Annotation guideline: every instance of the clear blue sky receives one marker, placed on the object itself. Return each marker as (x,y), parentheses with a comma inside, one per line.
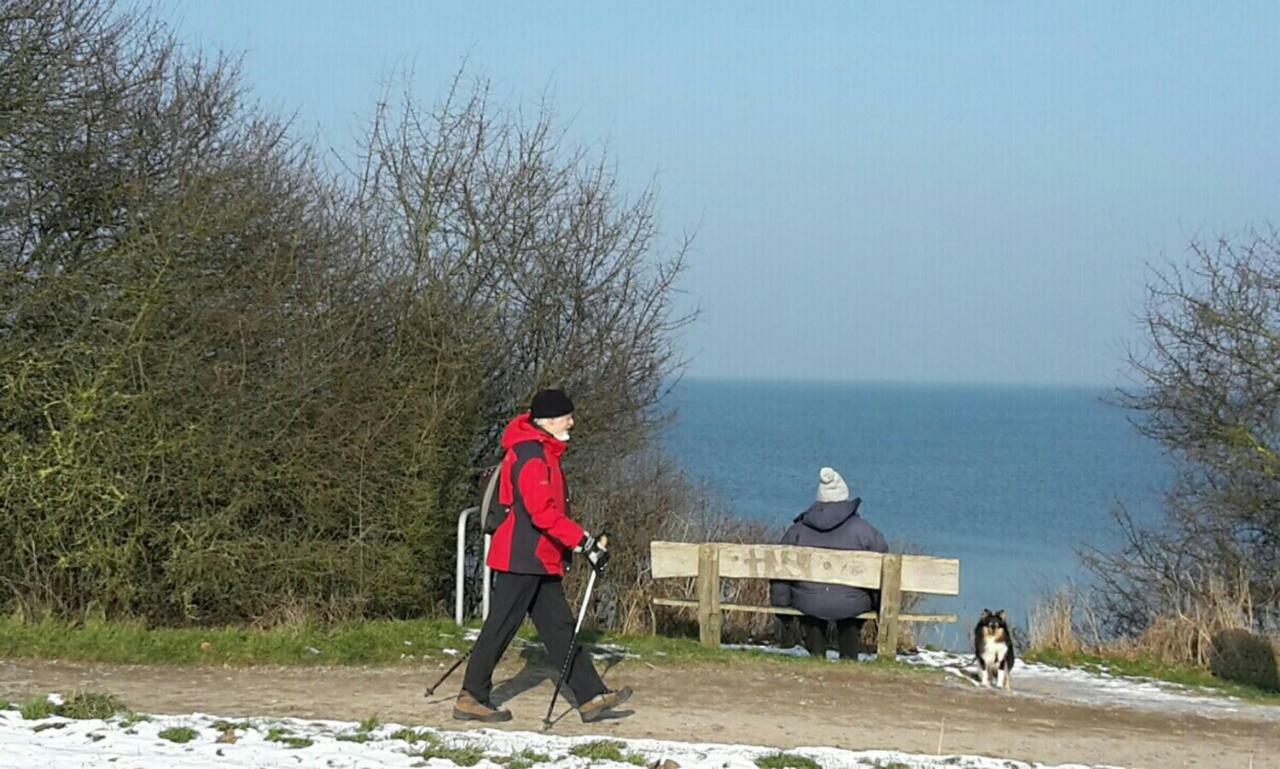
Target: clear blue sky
(905,192)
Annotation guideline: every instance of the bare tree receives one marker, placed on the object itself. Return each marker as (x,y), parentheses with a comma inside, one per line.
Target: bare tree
(534,240)
(1207,387)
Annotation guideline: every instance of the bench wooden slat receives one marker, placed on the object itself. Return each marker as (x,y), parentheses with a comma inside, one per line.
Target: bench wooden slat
(891,574)
(855,568)
(685,603)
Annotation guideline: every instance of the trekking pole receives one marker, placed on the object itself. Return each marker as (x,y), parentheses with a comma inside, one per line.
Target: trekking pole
(432,689)
(573,642)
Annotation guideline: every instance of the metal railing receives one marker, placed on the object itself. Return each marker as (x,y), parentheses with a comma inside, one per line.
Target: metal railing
(461,573)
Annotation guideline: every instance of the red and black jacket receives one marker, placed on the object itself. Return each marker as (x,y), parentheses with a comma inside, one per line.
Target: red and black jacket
(537,535)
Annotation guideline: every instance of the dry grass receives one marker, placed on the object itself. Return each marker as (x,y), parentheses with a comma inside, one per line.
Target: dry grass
(1067,622)
(1054,623)
(1209,635)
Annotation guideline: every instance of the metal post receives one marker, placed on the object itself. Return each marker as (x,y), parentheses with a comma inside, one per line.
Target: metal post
(460,573)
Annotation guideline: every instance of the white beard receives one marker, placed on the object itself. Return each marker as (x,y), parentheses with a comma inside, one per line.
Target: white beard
(564,437)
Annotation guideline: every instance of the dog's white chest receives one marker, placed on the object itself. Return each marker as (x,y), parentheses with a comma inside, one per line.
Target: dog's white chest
(994,651)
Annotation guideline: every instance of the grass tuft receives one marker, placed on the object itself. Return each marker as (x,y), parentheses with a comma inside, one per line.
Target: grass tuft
(787,761)
(361,737)
(524,759)
(178,734)
(83,705)
(369,724)
(78,706)
(465,756)
(36,709)
(606,750)
(409,735)
(285,737)
(600,750)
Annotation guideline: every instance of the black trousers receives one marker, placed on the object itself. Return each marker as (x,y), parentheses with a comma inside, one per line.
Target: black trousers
(848,636)
(542,598)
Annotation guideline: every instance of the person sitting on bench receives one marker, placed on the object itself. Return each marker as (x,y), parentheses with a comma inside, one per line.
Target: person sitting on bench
(832,522)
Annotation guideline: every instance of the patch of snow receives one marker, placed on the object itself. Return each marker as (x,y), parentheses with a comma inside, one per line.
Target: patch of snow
(612,651)
(96,743)
(1100,688)
(794,651)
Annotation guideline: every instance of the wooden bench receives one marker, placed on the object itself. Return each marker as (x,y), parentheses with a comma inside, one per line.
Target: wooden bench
(892,575)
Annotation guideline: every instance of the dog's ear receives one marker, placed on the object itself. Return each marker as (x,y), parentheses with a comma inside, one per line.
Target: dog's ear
(985,613)
(1001,616)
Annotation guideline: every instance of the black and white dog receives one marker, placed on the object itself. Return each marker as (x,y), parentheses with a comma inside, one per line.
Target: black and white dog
(993,646)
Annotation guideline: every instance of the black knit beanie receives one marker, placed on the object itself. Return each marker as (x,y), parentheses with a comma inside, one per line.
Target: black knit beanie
(549,404)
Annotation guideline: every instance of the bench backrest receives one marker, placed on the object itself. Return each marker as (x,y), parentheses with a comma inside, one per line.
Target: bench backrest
(856,568)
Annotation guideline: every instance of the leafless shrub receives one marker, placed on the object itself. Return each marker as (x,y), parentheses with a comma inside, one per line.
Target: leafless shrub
(1206,385)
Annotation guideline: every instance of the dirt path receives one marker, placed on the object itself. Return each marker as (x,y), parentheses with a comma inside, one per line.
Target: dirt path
(777,705)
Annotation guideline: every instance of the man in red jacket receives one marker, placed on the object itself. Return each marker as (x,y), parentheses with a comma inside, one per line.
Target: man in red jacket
(529,552)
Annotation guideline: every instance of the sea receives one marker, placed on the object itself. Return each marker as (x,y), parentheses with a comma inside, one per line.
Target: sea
(1014,481)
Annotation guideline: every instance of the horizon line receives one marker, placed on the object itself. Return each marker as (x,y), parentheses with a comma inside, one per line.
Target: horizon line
(783,379)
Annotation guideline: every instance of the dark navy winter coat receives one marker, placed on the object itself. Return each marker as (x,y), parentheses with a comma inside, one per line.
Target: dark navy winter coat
(834,525)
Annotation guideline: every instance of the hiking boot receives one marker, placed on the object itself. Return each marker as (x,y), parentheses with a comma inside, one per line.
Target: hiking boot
(595,708)
(468,708)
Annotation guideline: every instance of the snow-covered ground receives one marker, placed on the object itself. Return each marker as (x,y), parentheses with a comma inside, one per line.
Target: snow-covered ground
(1076,685)
(56,742)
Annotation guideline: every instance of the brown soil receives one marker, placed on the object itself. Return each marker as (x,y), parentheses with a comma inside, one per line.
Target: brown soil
(783,706)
